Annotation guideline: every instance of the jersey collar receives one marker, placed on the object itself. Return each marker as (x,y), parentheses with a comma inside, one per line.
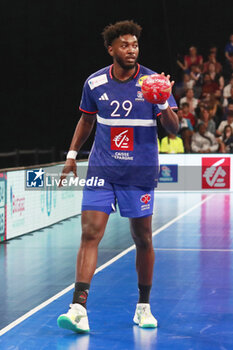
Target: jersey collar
(135,75)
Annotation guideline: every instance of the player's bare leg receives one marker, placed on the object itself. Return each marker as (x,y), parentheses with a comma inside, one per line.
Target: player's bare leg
(141,231)
(142,235)
(93,227)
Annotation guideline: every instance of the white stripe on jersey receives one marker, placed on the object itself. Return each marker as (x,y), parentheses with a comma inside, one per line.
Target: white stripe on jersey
(127,122)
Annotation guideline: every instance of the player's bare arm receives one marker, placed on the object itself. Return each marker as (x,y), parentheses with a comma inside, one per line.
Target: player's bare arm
(169,119)
(81,134)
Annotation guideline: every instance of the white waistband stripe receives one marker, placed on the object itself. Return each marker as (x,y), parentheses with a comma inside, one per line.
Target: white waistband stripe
(126,122)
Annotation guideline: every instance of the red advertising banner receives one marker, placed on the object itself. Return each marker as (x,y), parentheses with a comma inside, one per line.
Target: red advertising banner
(216,173)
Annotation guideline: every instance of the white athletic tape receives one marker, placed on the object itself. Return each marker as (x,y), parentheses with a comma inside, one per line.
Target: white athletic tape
(71,155)
(163,106)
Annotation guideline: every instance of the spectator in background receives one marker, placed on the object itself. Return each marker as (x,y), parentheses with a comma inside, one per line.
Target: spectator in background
(189,60)
(183,86)
(185,130)
(224,123)
(192,58)
(197,78)
(187,114)
(212,59)
(215,107)
(229,48)
(190,99)
(227,89)
(206,119)
(203,141)
(217,77)
(228,68)
(228,101)
(200,107)
(209,86)
(228,110)
(226,140)
(171,144)
(213,50)
(230,107)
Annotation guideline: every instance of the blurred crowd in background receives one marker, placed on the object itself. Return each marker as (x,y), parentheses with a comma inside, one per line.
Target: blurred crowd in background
(205,99)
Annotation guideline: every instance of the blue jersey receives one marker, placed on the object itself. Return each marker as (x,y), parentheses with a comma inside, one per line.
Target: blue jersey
(125,150)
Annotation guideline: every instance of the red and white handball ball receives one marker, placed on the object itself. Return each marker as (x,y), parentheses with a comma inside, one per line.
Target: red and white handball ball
(156,88)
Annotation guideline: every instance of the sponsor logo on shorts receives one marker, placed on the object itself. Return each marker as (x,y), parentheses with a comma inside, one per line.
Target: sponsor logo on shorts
(122,139)
(216,173)
(145,199)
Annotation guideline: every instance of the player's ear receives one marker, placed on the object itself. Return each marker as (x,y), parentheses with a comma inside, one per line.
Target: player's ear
(110,50)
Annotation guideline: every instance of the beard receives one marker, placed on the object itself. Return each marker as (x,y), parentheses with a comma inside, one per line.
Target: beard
(125,65)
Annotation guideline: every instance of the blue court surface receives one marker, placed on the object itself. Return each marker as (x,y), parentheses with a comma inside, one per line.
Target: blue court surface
(192,295)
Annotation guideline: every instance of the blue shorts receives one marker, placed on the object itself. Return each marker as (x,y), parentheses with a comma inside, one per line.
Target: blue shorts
(133,201)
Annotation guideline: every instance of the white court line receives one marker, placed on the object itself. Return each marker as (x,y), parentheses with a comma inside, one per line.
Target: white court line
(194,249)
(100,268)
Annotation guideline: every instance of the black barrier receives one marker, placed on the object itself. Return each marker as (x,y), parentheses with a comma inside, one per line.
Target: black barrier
(20,157)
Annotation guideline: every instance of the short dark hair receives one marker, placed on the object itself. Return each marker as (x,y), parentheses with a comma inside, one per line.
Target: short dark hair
(113,31)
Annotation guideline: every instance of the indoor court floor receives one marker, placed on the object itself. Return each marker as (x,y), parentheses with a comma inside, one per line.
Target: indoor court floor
(192,295)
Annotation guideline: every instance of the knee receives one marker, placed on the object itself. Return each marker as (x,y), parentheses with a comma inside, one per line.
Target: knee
(91,231)
(143,240)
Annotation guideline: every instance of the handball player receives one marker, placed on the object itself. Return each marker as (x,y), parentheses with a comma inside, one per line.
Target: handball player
(125,155)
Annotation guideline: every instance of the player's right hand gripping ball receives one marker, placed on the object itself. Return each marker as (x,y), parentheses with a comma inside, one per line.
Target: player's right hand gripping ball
(156,88)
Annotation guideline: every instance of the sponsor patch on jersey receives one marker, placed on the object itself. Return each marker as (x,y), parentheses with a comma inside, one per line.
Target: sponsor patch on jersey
(122,139)
(139,96)
(140,80)
(123,156)
(97,81)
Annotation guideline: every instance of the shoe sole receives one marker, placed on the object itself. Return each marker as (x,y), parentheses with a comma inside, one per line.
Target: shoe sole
(65,323)
(149,325)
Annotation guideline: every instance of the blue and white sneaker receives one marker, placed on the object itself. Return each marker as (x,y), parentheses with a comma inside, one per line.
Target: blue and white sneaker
(143,316)
(75,319)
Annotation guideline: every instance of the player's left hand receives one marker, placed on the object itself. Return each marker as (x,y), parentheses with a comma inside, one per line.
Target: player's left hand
(168,77)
